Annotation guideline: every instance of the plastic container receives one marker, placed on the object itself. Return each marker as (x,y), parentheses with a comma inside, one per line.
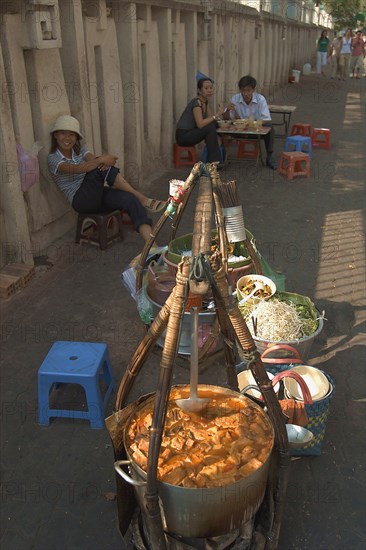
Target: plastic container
(296,74)
(306,70)
(174,186)
(184,244)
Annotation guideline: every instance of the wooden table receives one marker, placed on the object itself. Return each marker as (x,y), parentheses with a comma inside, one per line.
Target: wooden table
(244,134)
(286,112)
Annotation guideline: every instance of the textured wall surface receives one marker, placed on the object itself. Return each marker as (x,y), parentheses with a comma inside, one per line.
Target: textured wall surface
(126,71)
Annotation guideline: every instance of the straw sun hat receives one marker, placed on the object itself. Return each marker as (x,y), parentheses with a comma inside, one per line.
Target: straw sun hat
(67,122)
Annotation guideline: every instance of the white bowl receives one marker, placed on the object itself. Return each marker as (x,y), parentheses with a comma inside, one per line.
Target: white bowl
(224,123)
(246,378)
(315,380)
(247,279)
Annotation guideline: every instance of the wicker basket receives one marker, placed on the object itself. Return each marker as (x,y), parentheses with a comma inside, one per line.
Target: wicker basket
(318,413)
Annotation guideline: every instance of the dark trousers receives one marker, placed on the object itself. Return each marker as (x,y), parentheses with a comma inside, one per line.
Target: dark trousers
(196,135)
(93,197)
(269,139)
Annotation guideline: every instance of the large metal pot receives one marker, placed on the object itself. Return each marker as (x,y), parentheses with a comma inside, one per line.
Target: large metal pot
(206,320)
(207,512)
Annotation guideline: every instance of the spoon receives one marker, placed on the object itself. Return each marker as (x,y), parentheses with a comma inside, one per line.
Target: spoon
(193,403)
(257,286)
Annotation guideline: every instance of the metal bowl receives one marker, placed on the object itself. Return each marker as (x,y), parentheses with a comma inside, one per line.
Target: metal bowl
(298,437)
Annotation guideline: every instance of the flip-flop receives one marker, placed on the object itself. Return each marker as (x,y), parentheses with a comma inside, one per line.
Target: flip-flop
(154,205)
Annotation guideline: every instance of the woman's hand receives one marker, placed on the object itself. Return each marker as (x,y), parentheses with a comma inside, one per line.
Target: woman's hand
(230,109)
(220,111)
(107,160)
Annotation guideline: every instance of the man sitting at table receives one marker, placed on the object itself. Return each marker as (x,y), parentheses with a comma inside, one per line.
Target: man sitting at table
(250,104)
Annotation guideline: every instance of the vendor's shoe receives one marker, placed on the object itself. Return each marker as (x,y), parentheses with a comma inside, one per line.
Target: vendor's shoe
(271,164)
(154,206)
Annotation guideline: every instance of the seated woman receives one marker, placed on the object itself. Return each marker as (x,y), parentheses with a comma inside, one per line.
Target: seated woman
(198,123)
(81,177)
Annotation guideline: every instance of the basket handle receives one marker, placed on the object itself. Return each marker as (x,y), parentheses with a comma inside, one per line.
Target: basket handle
(281,360)
(308,400)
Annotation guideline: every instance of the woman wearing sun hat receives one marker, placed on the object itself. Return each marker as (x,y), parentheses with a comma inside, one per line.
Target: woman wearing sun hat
(81,177)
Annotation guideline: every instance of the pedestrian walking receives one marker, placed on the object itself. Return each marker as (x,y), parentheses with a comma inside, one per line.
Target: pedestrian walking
(322,52)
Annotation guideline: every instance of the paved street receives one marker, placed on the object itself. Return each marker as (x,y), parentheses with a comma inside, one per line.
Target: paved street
(58,482)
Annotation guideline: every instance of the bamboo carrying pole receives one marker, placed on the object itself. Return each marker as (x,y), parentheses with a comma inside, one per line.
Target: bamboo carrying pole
(232,326)
(155,526)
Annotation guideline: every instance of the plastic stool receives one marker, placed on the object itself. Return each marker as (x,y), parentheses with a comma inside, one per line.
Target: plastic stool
(299,142)
(301,130)
(222,153)
(291,165)
(126,220)
(248,149)
(102,222)
(81,363)
(324,143)
(184,156)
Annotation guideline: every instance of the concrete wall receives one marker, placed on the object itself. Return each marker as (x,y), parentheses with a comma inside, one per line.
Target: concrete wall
(126,71)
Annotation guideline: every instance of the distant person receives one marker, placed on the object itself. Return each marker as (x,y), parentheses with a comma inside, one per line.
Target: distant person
(250,104)
(322,52)
(334,51)
(345,54)
(81,177)
(358,55)
(198,122)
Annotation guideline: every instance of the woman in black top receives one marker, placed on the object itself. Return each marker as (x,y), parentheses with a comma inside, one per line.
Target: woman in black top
(198,123)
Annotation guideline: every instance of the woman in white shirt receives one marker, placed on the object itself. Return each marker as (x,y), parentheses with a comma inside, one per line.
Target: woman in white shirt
(345,54)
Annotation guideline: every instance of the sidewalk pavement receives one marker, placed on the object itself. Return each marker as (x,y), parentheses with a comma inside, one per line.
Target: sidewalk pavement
(58,482)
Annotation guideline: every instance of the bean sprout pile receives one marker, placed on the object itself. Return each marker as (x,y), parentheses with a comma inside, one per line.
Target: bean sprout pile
(275,320)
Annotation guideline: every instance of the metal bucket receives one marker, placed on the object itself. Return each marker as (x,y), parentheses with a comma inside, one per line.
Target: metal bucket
(206,320)
(196,512)
(303,345)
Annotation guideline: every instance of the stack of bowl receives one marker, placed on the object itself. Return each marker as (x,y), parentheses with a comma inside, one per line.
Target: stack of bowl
(318,384)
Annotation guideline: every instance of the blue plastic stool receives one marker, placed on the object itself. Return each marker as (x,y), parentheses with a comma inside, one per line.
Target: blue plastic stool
(299,142)
(222,151)
(81,363)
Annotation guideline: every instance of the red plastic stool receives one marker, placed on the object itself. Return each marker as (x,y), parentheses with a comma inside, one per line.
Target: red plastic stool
(319,133)
(291,165)
(248,149)
(126,220)
(184,156)
(301,130)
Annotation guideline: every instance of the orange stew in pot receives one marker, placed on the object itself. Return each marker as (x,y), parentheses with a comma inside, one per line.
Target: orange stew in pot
(230,439)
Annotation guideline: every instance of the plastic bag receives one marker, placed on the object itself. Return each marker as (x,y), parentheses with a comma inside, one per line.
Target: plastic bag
(128,276)
(144,307)
(28,165)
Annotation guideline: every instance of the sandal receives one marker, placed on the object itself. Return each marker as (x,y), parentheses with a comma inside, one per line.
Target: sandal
(154,205)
